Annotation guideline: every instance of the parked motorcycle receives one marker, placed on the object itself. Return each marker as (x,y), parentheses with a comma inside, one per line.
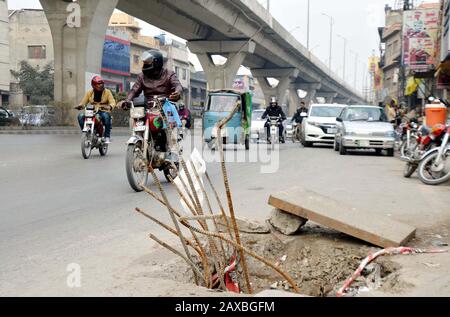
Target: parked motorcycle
(409,138)
(148,146)
(434,168)
(93,130)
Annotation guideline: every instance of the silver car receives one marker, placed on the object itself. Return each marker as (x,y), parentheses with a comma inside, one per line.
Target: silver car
(364,127)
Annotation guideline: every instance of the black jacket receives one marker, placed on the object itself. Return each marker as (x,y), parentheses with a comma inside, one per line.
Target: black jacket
(274,112)
(297,116)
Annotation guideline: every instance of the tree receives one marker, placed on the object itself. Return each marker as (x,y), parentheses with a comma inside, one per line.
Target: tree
(35,83)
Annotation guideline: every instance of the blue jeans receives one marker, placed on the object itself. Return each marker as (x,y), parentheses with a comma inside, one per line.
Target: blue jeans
(106,120)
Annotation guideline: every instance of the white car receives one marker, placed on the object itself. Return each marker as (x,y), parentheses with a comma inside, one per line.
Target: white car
(258,132)
(364,127)
(320,126)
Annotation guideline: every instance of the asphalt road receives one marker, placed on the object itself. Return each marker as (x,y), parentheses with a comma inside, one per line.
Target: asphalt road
(57,209)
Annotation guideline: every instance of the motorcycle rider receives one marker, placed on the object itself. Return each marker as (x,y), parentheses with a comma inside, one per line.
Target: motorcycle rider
(156,80)
(104,103)
(185,114)
(274,110)
(298,114)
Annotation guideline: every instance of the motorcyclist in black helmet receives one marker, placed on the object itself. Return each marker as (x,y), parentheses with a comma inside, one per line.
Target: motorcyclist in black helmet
(274,110)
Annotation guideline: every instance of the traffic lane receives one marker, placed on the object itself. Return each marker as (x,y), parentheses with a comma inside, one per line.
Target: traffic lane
(110,240)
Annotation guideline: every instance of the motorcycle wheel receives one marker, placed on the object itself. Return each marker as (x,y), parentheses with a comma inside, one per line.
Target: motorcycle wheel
(136,168)
(171,172)
(103,149)
(429,177)
(86,145)
(247,143)
(409,170)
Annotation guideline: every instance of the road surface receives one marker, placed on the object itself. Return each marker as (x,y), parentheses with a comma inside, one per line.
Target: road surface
(58,209)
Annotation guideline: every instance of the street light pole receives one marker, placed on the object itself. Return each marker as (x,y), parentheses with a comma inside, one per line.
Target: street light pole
(356,67)
(345,56)
(331,38)
(308,27)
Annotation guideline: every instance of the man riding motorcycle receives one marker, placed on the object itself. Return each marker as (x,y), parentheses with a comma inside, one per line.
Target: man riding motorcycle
(104,103)
(155,80)
(274,110)
(298,114)
(185,115)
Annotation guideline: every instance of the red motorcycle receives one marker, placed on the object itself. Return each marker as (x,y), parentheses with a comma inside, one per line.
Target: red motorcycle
(422,141)
(434,168)
(93,130)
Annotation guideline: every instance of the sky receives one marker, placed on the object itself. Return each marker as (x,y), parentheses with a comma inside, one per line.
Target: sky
(354,20)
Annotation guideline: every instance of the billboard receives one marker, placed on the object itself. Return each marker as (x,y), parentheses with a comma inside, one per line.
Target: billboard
(420,38)
(116,56)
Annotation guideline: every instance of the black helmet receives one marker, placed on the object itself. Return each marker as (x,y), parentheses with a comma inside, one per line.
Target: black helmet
(153,63)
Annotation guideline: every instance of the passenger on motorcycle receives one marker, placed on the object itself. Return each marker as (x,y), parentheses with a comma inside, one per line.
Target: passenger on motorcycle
(274,110)
(155,80)
(104,103)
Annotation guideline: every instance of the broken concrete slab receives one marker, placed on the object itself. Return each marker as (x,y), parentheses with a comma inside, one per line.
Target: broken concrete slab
(286,223)
(244,225)
(377,230)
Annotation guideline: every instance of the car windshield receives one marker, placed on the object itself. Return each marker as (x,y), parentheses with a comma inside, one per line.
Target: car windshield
(326,112)
(257,115)
(222,103)
(364,114)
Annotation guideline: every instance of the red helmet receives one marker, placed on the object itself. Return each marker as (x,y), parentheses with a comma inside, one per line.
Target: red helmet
(98,83)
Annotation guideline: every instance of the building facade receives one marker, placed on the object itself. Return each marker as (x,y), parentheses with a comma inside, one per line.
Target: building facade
(30,40)
(391,59)
(198,92)
(4,52)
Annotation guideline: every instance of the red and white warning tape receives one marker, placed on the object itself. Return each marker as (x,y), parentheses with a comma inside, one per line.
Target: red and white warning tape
(389,251)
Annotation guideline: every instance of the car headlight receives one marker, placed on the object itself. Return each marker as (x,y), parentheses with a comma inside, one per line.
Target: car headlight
(349,133)
(316,124)
(390,134)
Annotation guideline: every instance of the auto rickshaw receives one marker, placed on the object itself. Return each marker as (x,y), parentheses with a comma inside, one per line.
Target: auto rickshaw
(219,106)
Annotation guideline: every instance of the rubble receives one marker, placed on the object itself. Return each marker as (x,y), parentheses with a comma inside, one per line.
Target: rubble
(244,225)
(286,223)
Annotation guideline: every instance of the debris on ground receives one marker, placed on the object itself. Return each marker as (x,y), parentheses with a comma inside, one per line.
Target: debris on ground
(380,231)
(244,225)
(286,223)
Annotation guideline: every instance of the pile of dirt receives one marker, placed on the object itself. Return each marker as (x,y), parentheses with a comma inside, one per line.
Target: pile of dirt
(318,259)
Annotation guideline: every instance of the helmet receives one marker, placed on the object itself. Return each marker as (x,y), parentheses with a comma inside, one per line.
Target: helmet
(153,62)
(97,83)
(273,102)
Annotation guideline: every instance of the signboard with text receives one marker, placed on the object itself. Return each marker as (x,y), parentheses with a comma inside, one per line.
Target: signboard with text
(420,39)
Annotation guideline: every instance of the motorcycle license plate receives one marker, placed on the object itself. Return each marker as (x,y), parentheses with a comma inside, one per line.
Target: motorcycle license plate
(140,128)
(332,131)
(89,120)
(273,130)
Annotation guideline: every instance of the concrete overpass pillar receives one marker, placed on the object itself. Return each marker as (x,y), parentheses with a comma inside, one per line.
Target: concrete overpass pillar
(221,76)
(78,31)
(310,97)
(294,101)
(329,96)
(285,76)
